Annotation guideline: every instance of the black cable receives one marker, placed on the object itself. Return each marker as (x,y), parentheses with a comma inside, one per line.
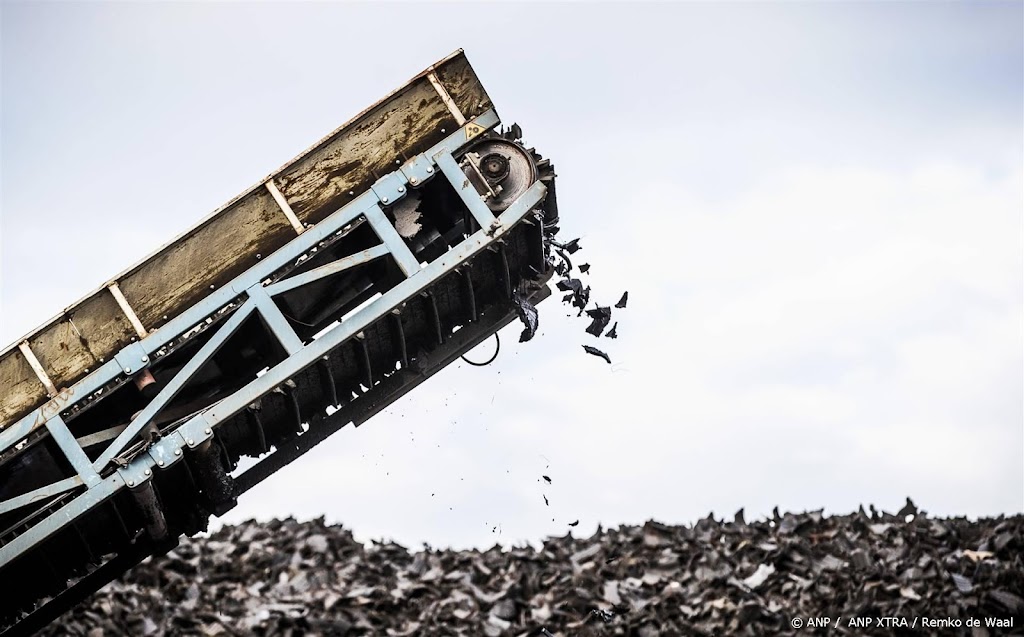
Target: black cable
(497,348)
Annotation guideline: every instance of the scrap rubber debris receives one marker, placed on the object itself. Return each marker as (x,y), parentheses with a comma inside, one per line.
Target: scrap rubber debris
(597,352)
(601,317)
(290,578)
(578,295)
(527,313)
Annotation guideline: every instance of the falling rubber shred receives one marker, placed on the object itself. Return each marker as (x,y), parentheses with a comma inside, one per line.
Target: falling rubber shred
(596,352)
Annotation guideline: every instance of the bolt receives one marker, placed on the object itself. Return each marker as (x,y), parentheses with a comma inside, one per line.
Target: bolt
(131,483)
(177,452)
(412,180)
(147,472)
(165,317)
(443,130)
(207,432)
(384,199)
(401,189)
(351,193)
(190,442)
(127,370)
(160,462)
(212,286)
(398,162)
(430,169)
(259,256)
(145,359)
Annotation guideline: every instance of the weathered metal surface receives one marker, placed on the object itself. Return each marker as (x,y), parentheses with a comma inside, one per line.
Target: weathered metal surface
(316,183)
(20,390)
(213,254)
(185,320)
(461,82)
(93,330)
(352,159)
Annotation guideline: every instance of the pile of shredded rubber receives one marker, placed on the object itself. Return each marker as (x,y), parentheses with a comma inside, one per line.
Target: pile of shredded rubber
(716,577)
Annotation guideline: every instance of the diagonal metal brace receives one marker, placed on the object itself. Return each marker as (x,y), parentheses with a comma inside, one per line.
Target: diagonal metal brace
(168,393)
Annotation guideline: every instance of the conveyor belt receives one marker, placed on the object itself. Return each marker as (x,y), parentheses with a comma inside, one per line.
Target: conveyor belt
(357,379)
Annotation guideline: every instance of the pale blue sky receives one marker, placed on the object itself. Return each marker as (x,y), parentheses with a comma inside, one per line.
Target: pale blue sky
(817,209)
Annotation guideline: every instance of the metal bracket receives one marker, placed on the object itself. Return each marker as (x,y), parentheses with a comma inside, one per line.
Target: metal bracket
(132,359)
(167,451)
(137,472)
(418,170)
(196,431)
(390,188)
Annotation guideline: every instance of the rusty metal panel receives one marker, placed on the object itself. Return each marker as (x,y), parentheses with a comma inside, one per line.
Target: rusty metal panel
(211,255)
(19,386)
(459,79)
(90,331)
(407,123)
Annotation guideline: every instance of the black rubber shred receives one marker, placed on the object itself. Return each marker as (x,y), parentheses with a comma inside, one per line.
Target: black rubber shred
(604,615)
(574,523)
(585,268)
(596,352)
(601,316)
(730,572)
(622,302)
(527,314)
(545,500)
(580,300)
(570,285)
(565,259)
(612,333)
(570,247)
(547,479)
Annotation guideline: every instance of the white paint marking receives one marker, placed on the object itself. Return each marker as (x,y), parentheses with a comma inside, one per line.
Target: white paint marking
(460,119)
(122,302)
(37,367)
(285,208)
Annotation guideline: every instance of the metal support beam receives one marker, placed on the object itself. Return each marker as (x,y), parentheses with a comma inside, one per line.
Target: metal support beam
(275,320)
(327,270)
(172,388)
(466,190)
(404,257)
(399,337)
(435,317)
(199,428)
(42,493)
(72,450)
(56,521)
(274,262)
(469,296)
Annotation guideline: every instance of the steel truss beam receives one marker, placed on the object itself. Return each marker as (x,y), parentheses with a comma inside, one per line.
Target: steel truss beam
(252,294)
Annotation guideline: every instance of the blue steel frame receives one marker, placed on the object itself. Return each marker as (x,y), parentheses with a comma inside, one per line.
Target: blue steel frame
(252,293)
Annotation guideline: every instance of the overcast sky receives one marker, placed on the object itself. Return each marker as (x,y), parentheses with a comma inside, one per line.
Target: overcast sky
(816,208)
